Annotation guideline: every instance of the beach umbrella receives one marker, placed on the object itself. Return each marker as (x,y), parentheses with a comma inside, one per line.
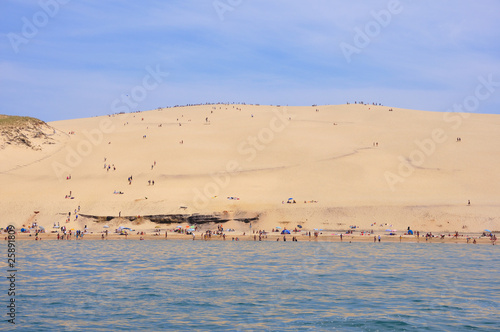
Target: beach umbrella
(157,226)
(105,226)
(487,230)
(277,227)
(290,198)
(299,226)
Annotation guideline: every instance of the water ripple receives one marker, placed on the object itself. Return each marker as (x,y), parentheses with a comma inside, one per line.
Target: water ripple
(306,286)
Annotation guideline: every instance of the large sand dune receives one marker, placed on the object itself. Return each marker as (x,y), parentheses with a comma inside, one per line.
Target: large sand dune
(352,164)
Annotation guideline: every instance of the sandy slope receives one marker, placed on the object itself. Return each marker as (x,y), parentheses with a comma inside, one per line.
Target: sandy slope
(418,175)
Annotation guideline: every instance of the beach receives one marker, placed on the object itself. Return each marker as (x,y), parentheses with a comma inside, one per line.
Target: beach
(201,235)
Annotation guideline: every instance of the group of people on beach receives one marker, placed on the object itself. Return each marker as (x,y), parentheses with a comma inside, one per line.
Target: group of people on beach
(294,238)
(68,234)
(107,167)
(68,219)
(260,235)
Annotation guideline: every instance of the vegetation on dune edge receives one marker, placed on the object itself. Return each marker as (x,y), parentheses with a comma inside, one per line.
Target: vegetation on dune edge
(18,121)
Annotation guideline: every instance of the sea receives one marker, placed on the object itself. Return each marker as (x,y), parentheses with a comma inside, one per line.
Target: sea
(176,285)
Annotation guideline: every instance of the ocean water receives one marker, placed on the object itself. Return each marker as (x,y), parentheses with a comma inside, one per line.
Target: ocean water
(244,286)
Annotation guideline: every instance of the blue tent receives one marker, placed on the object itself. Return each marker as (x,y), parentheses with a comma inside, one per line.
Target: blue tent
(285,231)
(410,232)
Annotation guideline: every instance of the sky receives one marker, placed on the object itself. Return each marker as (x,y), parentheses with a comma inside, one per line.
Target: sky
(67,59)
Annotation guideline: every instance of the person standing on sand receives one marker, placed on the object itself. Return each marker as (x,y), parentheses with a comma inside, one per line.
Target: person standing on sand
(379,238)
(340,237)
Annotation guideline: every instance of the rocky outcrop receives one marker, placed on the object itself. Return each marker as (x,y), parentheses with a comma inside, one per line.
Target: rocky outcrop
(192,219)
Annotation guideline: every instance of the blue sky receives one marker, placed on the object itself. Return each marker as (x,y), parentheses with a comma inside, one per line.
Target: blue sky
(64,59)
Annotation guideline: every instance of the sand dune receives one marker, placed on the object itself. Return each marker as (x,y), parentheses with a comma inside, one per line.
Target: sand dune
(352,164)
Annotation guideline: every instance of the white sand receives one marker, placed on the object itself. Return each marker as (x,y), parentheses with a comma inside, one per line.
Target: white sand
(307,158)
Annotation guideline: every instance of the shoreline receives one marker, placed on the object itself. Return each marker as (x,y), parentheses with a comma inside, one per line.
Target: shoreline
(346,238)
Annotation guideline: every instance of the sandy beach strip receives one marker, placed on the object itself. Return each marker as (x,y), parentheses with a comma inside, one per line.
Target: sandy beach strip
(346,238)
